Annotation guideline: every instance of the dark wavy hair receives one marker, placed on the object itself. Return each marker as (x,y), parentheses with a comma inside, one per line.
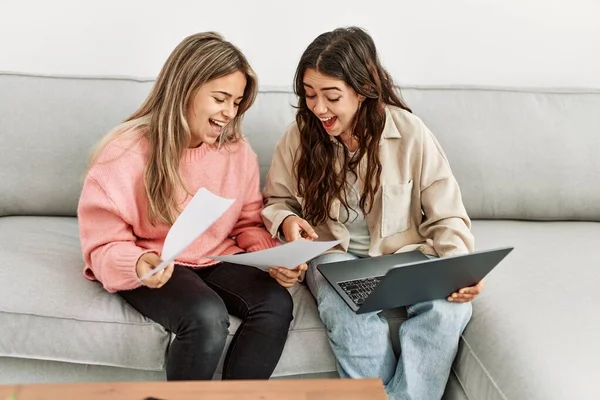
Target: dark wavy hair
(348,54)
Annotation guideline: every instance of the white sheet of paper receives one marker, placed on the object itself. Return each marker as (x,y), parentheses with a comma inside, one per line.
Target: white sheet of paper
(200,213)
(288,255)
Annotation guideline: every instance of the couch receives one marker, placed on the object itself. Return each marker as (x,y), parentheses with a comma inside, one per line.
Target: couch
(528,162)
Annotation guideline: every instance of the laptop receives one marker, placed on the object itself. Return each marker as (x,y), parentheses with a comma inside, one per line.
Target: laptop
(379,283)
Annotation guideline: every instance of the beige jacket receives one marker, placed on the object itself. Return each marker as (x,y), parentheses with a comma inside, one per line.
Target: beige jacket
(418,205)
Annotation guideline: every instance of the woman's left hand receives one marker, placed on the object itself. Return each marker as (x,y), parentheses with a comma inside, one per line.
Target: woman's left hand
(466,294)
(287,277)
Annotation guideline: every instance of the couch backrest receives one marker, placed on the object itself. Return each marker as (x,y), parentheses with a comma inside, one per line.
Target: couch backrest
(517,154)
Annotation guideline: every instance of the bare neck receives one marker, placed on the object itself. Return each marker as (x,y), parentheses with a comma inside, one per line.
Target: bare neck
(350,141)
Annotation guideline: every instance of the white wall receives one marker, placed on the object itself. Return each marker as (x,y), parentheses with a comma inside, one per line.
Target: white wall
(477,42)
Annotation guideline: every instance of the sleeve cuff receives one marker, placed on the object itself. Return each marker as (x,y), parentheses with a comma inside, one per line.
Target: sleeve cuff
(274,231)
(125,274)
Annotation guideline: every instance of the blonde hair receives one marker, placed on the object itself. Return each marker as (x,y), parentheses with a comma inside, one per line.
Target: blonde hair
(198,59)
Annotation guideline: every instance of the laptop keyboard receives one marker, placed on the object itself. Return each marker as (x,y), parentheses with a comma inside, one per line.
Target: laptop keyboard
(359,289)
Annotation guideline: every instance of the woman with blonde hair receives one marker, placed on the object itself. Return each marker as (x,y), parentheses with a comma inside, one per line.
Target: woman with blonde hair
(186,136)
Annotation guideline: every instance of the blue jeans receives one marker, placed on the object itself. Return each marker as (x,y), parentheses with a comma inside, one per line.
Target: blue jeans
(362,345)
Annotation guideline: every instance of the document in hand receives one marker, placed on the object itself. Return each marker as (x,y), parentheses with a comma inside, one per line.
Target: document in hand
(200,213)
(288,255)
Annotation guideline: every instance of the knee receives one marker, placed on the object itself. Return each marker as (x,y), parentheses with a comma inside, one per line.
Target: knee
(278,303)
(337,316)
(357,331)
(460,312)
(206,319)
(446,312)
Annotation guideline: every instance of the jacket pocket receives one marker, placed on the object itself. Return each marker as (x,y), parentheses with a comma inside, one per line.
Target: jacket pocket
(395,213)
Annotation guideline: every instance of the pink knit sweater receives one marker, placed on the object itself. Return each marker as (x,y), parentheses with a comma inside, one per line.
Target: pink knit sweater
(113,223)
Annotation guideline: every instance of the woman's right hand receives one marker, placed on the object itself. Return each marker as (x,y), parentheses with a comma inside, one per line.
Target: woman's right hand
(294,228)
(146,263)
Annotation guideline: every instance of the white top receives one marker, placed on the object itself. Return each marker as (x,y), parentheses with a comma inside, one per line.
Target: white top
(360,238)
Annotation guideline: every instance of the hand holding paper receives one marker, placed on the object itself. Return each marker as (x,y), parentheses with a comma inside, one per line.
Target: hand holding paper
(200,213)
(146,263)
(287,277)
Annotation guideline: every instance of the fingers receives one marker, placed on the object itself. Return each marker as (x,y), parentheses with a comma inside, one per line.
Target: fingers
(284,276)
(295,228)
(290,228)
(159,278)
(309,232)
(166,275)
(473,290)
(466,294)
(153,281)
(152,259)
(461,298)
(275,275)
(293,235)
(289,274)
(302,267)
(292,231)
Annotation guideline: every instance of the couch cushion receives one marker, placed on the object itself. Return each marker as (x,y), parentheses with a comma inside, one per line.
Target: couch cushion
(536,327)
(49,311)
(29,371)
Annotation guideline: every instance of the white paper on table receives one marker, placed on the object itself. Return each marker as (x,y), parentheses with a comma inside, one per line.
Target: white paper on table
(288,255)
(200,213)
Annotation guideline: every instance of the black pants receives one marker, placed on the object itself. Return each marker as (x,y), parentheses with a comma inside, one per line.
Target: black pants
(194,305)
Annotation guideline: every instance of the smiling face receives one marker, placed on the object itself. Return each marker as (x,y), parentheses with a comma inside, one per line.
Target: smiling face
(332,101)
(214,105)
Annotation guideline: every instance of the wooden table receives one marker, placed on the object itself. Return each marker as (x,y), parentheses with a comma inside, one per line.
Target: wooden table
(298,389)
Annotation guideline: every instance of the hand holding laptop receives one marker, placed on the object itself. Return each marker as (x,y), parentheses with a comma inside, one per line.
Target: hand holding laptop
(467,294)
(395,280)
